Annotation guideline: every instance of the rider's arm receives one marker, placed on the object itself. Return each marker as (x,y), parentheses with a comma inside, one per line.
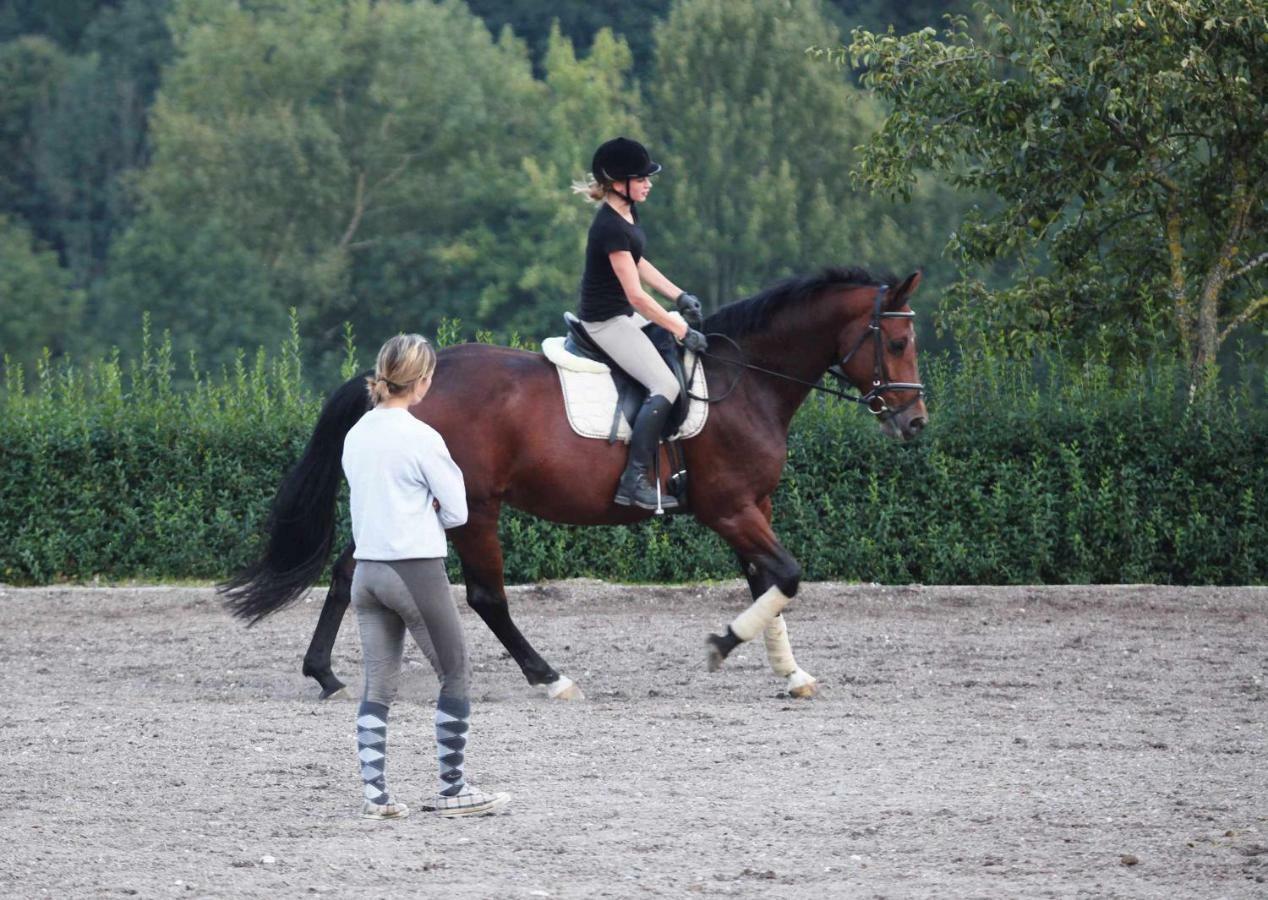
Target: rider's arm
(627,273)
(660,284)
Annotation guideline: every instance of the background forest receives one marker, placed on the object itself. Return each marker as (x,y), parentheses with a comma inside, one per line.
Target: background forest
(394,164)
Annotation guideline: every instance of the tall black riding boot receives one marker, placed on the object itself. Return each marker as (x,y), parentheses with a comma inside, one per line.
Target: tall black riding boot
(636,487)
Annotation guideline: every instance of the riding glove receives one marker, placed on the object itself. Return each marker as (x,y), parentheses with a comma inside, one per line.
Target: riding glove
(695,341)
(689,306)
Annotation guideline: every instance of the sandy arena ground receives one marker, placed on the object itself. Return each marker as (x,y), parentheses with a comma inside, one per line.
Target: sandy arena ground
(968,742)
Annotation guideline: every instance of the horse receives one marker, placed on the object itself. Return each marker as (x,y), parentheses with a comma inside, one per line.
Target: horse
(502,415)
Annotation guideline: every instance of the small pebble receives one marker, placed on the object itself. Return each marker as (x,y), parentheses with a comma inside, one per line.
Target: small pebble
(1128,859)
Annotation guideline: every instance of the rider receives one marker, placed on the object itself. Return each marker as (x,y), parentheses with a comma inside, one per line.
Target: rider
(614,306)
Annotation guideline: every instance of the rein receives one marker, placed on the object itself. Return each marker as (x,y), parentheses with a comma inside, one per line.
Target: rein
(880,377)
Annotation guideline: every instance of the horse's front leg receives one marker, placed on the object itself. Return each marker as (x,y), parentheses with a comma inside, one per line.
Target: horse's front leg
(778,649)
(773,574)
(317,659)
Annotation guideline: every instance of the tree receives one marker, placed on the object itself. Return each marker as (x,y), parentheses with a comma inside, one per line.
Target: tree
(1127,146)
(354,148)
(578,20)
(587,100)
(30,70)
(92,138)
(198,281)
(757,139)
(41,308)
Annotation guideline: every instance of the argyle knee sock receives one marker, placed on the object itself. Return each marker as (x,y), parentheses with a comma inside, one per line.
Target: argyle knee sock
(452,723)
(372,751)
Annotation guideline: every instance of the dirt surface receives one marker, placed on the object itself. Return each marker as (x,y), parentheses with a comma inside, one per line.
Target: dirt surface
(967,742)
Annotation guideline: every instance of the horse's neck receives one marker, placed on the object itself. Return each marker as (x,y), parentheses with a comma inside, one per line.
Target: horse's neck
(803,352)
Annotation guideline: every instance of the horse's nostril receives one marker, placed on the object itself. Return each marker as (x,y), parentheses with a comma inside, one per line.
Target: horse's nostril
(916,425)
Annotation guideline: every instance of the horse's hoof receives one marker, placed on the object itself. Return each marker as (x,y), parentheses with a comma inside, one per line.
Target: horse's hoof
(805,691)
(339,693)
(802,685)
(564,689)
(714,653)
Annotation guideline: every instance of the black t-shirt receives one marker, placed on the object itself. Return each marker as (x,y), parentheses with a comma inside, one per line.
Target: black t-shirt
(602,296)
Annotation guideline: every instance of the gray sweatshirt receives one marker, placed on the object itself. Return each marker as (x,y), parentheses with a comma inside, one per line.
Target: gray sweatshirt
(396,465)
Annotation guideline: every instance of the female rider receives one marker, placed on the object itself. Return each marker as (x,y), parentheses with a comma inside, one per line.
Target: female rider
(405,490)
(615,308)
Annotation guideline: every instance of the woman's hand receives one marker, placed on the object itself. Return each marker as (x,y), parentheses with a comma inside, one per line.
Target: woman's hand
(695,341)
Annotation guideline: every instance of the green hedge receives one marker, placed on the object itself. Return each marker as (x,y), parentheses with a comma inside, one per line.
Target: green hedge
(1026,474)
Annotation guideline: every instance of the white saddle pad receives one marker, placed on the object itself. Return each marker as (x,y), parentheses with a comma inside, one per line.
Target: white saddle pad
(590,395)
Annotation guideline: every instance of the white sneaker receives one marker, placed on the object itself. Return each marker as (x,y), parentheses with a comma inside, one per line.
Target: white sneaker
(470,801)
(384,811)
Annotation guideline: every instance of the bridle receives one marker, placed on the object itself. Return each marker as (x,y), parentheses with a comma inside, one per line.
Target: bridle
(880,376)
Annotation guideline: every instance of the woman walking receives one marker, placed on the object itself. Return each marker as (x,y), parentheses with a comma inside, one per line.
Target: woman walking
(615,308)
(405,491)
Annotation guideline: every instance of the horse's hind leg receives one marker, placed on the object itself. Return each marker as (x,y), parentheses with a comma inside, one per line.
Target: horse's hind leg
(481,555)
(317,659)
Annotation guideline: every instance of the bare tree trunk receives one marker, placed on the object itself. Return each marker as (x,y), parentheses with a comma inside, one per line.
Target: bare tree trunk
(1209,337)
(1179,286)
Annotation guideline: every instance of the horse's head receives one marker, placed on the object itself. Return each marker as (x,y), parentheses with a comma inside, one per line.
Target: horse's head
(877,353)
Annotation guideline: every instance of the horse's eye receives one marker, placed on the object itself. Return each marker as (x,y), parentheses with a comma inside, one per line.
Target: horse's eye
(898,346)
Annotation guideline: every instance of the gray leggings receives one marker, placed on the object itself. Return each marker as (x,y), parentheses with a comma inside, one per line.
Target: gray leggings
(390,597)
(623,339)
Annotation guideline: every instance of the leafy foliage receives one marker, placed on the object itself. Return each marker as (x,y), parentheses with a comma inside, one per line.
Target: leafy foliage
(1128,148)
(48,307)
(1025,475)
(393,163)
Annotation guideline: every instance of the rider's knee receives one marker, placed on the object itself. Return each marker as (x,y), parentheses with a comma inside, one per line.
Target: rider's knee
(668,390)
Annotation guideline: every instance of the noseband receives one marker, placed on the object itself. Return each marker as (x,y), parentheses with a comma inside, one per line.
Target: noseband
(880,376)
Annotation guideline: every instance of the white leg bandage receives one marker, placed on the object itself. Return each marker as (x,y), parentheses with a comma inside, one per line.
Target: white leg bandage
(753,621)
(779,651)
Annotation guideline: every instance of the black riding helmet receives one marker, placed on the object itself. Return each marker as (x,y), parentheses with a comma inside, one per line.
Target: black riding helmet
(621,159)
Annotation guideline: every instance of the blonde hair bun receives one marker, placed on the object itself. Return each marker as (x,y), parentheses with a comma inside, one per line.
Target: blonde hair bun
(402,361)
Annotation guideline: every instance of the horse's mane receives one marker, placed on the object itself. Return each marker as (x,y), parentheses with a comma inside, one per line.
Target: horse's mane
(755,313)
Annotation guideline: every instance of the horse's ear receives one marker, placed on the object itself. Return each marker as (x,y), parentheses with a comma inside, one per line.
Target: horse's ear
(899,296)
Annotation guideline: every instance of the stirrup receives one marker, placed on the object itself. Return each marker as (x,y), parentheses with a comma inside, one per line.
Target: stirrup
(643,494)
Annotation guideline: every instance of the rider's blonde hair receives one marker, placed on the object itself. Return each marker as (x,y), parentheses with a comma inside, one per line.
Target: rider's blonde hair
(403,360)
(593,190)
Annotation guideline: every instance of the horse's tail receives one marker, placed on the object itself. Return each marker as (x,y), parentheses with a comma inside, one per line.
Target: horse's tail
(301,524)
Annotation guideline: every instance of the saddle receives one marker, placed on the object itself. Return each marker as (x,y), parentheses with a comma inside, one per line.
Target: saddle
(630,393)
(602,400)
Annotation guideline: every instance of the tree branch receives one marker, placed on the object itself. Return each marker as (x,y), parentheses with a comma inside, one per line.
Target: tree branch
(1254,263)
(358,210)
(1243,317)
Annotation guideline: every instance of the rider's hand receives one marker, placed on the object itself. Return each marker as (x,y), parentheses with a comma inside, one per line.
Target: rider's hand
(695,341)
(689,306)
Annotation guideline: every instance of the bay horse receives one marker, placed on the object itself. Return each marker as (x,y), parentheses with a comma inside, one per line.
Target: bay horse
(502,416)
